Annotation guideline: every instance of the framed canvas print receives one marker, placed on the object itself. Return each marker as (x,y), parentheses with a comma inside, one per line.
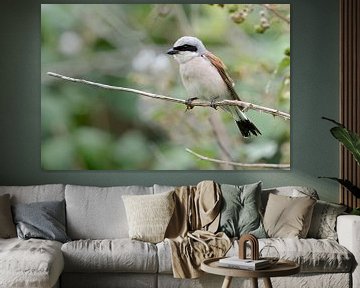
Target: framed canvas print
(165,86)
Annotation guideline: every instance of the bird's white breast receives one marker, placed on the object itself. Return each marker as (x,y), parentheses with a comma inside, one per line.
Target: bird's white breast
(202,80)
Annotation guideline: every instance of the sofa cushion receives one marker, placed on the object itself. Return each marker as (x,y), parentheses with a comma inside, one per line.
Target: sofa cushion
(240,210)
(287,216)
(37,193)
(43,220)
(149,215)
(98,213)
(117,255)
(323,222)
(313,255)
(30,263)
(164,257)
(7,227)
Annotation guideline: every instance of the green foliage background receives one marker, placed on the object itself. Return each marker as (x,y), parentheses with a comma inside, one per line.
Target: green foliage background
(85,127)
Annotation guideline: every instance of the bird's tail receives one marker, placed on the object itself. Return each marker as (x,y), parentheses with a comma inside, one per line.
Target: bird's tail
(245,126)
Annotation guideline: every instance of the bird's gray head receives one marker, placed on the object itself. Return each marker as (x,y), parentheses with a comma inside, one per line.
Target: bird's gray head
(186,48)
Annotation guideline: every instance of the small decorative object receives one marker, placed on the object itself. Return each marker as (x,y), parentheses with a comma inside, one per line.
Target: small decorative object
(254,246)
(270,253)
(246,264)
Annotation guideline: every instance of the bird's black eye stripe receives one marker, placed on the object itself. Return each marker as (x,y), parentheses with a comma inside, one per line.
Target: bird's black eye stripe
(186,47)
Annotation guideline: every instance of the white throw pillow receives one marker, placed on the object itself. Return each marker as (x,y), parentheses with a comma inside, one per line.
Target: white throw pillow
(149,215)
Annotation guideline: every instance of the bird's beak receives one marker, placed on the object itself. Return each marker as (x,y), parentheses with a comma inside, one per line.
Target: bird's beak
(171,51)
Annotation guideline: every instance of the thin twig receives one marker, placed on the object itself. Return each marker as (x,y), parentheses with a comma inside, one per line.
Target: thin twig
(221,138)
(243,165)
(244,105)
(268,7)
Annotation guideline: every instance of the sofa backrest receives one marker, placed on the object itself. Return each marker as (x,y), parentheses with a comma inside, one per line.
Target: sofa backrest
(162,188)
(98,212)
(292,191)
(36,193)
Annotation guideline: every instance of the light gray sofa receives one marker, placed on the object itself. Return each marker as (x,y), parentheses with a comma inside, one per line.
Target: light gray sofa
(101,254)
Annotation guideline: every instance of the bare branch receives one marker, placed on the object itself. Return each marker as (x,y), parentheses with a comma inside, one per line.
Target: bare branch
(268,7)
(221,138)
(244,105)
(243,165)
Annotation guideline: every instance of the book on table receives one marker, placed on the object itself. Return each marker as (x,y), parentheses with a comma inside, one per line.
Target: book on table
(249,264)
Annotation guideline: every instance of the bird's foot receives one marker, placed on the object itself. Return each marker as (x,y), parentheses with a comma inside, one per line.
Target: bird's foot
(212,104)
(188,103)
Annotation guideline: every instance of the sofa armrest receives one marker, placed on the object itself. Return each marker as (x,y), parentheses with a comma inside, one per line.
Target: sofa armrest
(348,229)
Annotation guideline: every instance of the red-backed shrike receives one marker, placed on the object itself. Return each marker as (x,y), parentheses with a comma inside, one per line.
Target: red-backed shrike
(204,77)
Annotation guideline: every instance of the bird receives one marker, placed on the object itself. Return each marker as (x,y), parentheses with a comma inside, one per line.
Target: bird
(204,77)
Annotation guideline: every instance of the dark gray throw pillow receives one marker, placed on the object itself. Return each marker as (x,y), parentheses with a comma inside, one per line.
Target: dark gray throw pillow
(240,213)
(7,227)
(43,220)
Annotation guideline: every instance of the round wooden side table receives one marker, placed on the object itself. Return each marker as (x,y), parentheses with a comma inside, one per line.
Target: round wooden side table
(281,268)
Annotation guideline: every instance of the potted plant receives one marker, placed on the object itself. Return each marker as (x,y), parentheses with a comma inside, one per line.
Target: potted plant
(351,141)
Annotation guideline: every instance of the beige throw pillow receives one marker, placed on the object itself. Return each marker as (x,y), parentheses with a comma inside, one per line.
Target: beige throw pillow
(7,226)
(288,217)
(148,215)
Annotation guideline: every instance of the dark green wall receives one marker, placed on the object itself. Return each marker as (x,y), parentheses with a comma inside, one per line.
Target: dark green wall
(314,48)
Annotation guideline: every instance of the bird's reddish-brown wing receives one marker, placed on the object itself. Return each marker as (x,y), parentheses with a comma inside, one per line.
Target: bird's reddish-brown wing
(220,66)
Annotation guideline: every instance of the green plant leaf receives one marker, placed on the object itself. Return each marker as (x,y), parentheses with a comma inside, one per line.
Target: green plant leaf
(348,138)
(355,211)
(333,121)
(347,184)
